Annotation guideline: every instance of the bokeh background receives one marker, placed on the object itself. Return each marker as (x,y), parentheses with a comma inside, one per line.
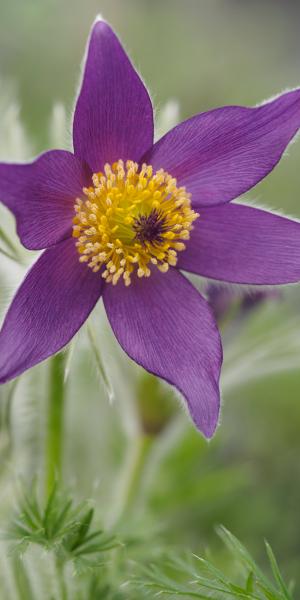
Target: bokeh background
(200,54)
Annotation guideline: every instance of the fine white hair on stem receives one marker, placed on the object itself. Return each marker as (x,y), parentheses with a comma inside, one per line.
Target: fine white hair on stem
(273,349)
(58,133)
(14,142)
(167,117)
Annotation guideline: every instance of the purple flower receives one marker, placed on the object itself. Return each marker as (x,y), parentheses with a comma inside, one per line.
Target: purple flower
(224,299)
(120,217)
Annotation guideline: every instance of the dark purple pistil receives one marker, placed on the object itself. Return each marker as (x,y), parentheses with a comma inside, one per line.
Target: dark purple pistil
(149,228)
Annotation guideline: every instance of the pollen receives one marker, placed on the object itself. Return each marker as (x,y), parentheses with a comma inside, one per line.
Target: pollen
(131,220)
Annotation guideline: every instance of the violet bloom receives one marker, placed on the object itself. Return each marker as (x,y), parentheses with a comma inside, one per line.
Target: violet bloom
(119,218)
(223,299)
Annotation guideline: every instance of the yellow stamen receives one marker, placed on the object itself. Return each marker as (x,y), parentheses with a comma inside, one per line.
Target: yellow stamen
(130,219)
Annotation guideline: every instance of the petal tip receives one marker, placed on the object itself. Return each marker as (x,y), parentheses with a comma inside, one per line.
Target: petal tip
(209,430)
(99,19)
(207,427)
(99,27)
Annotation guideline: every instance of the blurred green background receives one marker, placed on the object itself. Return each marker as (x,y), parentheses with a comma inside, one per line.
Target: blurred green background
(202,53)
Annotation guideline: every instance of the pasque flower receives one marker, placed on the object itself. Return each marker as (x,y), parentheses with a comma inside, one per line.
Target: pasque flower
(121,217)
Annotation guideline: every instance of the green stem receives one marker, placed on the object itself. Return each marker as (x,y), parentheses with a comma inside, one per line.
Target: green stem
(130,486)
(54,441)
(21,579)
(61,579)
(8,255)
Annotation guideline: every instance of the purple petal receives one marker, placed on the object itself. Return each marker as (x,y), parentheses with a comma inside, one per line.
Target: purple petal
(166,326)
(243,244)
(52,303)
(221,154)
(42,195)
(113,117)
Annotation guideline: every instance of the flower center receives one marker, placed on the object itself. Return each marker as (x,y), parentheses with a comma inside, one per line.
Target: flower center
(131,218)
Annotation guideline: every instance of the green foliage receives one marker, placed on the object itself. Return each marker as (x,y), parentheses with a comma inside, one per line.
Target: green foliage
(65,531)
(199,578)
(62,527)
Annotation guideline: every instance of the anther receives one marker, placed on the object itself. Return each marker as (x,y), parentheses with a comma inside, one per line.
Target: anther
(129,219)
